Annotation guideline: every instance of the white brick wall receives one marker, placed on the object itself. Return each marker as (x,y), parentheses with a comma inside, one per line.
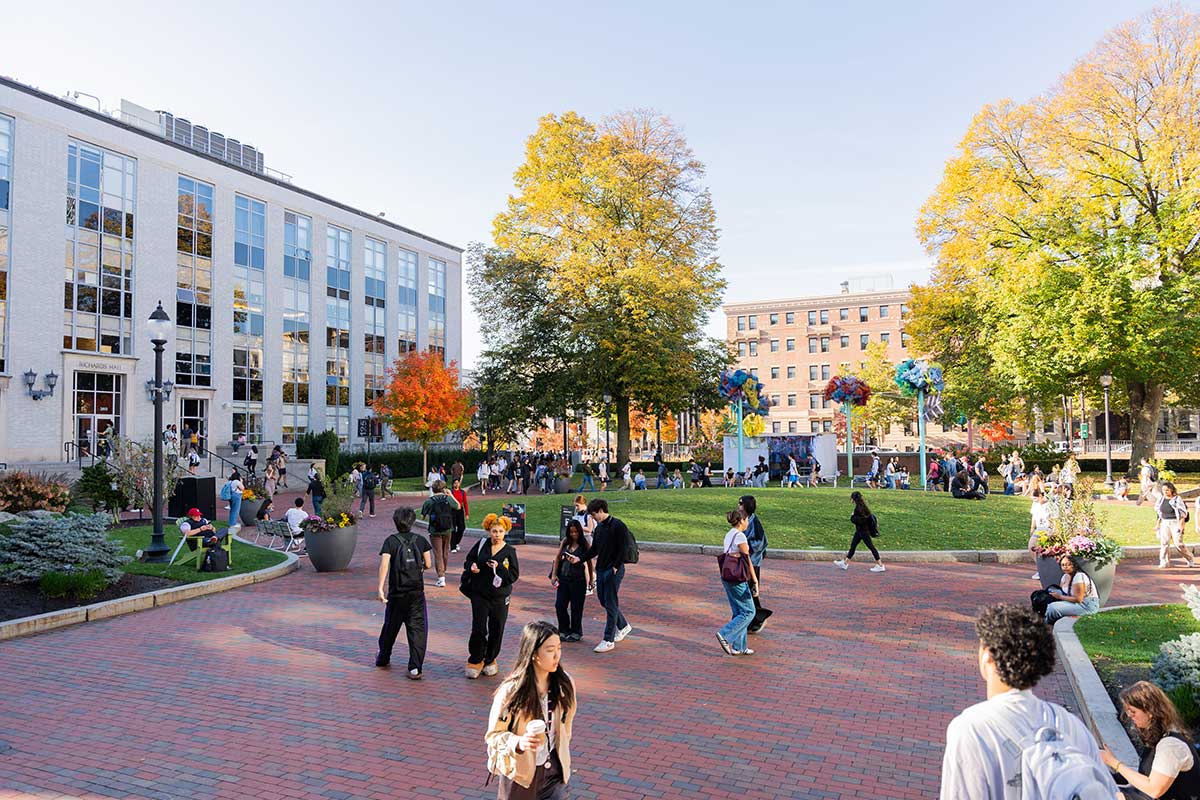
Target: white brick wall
(35,430)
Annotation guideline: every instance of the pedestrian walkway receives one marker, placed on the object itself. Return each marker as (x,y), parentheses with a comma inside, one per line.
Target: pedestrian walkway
(269,691)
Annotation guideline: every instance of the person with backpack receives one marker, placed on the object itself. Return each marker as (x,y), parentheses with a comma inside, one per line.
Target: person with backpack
(316,489)
(369,481)
(439,509)
(1148,478)
(866,527)
(402,559)
(999,743)
(1172,518)
(231,492)
(1169,767)
(613,546)
(756,538)
(385,480)
(489,572)
(251,460)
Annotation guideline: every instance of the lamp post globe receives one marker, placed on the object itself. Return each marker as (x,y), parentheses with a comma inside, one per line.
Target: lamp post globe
(159,328)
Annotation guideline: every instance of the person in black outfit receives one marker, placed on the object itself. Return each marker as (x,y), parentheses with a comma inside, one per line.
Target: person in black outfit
(756,538)
(1170,766)
(866,527)
(489,571)
(403,557)
(609,539)
(568,575)
(961,487)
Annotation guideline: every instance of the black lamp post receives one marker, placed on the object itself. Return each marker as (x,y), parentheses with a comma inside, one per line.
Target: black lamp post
(160,328)
(607,420)
(1106,382)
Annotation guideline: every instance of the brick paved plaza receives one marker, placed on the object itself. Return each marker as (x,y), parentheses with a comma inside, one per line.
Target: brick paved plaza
(269,691)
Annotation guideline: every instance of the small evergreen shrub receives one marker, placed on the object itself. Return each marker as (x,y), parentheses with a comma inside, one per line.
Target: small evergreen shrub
(25,491)
(73,544)
(77,585)
(1178,662)
(1184,698)
(95,488)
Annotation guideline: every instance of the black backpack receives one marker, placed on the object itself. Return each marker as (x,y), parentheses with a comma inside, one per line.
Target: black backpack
(441,518)
(1152,473)
(369,481)
(408,563)
(215,560)
(631,548)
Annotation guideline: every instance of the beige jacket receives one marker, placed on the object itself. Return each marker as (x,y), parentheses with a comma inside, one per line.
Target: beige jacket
(503,734)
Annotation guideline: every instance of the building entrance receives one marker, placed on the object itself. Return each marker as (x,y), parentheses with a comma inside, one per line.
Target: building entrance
(193,416)
(98,404)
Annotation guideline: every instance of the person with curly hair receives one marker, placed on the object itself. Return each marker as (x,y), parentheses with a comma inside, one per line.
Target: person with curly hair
(1169,768)
(489,572)
(984,742)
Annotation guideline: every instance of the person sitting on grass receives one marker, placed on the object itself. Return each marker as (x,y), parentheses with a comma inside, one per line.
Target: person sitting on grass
(1169,767)
(639,481)
(961,489)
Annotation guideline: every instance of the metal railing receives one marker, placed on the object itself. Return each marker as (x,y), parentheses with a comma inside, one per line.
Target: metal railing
(1160,446)
(79,453)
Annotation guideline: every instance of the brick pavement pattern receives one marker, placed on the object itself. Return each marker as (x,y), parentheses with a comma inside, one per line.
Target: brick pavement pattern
(270,691)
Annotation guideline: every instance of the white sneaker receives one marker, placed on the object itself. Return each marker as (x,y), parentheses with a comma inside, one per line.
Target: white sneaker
(879,568)
(604,646)
(440,582)
(1034,576)
(1163,564)
(621,634)
(491,669)
(841,563)
(472,673)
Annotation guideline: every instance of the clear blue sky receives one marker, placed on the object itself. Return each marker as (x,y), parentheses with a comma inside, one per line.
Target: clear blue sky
(823,128)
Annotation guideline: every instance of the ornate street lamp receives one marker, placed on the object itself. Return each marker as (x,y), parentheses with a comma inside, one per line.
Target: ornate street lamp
(607,418)
(159,326)
(1106,382)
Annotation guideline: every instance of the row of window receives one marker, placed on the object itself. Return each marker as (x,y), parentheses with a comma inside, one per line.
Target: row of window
(750,321)
(814,426)
(818,344)
(6,131)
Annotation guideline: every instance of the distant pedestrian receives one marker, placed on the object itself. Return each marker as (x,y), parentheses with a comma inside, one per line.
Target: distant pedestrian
(250,462)
(270,479)
(529,727)
(741,589)
(627,476)
(756,537)
(588,484)
(489,572)
(1172,520)
(356,479)
(568,575)
(610,543)
(281,462)
(866,527)
(439,509)
(369,481)
(232,492)
(316,490)
(385,480)
(461,514)
(483,476)
(402,559)
(662,482)
(602,468)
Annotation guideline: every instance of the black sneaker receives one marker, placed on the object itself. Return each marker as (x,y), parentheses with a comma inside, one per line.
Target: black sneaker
(383,664)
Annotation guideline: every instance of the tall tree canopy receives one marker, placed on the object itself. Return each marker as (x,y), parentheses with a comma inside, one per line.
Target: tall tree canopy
(1066,234)
(604,270)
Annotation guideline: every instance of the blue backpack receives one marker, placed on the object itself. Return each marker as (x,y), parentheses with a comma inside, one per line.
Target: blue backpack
(227,491)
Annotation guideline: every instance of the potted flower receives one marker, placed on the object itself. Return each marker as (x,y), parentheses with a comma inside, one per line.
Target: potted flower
(254,494)
(562,472)
(1076,531)
(330,538)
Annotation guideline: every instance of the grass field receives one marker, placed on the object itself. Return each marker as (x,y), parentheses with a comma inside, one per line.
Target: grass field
(803,518)
(1130,637)
(246,558)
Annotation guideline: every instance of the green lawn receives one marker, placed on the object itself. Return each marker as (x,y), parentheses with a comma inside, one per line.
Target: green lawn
(1130,637)
(246,558)
(802,518)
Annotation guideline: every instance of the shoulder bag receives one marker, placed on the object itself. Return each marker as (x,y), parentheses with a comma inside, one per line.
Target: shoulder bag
(464,583)
(735,567)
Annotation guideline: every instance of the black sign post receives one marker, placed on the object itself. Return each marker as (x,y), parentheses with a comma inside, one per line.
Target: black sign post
(516,514)
(564,516)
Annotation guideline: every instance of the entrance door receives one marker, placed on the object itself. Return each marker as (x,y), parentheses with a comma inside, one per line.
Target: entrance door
(97,410)
(193,414)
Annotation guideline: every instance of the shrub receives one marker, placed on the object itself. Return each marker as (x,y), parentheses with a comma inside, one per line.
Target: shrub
(96,487)
(25,491)
(320,445)
(1184,698)
(1178,662)
(78,585)
(76,543)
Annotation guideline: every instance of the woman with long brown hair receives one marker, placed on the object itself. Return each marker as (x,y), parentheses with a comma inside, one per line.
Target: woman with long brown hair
(529,728)
(1168,767)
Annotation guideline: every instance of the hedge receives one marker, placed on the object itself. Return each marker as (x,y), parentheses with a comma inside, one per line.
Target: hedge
(407,463)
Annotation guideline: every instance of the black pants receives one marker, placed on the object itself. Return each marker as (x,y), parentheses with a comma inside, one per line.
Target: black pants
(569,605)
(368,496)
(407,609)
(862,538)
(547,784)
(460,528)
(760,613)
(488,616)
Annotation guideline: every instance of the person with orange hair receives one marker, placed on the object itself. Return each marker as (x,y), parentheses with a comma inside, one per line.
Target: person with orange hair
(489,572)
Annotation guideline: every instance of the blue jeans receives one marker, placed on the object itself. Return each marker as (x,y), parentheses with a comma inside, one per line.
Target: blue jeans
(608,583)
(235,508)
(317,502)
(1065,608)
(588,484)
(741,602)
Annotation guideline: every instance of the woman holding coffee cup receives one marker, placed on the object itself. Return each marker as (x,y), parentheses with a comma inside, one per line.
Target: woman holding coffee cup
(529,728)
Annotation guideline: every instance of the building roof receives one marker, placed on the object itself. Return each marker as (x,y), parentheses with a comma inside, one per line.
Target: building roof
(102,117)
(796,303)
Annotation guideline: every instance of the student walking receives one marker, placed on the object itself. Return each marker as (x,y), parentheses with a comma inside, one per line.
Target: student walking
(866,527)
(461,515)
(589,525)
(1172,516)
(232,492)
(385,481)
(588,485)
(602,468)
(611,541)
(369,481)
(316,489)
(741,586)
(402,559)
(439,509)
(756,537)
(489,571)
(251,460)
(529,727)
(483,475)
(568,576)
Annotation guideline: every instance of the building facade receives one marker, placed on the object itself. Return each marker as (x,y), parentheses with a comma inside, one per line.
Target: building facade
(287,305)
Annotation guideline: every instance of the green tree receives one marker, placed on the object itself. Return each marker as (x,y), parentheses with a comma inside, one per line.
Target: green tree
(604,270)
(886,405)
(1066,234)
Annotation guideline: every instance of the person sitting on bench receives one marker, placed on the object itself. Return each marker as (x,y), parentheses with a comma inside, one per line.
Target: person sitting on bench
(198,530)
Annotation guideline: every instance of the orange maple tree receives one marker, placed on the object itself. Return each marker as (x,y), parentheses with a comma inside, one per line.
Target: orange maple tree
(423,401)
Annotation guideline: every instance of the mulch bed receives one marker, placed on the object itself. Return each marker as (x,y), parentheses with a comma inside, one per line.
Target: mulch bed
(26,600)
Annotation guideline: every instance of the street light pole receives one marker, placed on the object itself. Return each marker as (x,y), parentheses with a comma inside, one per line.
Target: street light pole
(607,420)
(160,325)
(1106,382)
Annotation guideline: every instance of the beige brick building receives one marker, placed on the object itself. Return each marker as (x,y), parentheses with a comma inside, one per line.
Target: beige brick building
(796,345)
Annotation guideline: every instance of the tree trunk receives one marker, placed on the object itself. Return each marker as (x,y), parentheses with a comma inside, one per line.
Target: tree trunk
(622,404)
(424,459)
(1145,407)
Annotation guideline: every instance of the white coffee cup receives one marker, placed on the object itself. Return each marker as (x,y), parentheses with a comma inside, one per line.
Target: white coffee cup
(536,727)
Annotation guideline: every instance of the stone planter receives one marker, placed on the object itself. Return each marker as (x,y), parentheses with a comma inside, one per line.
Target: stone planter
(1049,572)
(330,551)
(1103,578)
(248,511)
(562,485)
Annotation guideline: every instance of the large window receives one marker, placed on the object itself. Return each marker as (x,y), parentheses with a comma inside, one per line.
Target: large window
(6,134)
(437,307)
(249,297)
(98,293)
(374,323)
(193,283)
(407,317)
(297,323)
(247,393)
(337,331)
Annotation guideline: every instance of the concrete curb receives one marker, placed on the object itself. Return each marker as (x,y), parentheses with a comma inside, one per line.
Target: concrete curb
(27,626)
(1095,706)
(821,554)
